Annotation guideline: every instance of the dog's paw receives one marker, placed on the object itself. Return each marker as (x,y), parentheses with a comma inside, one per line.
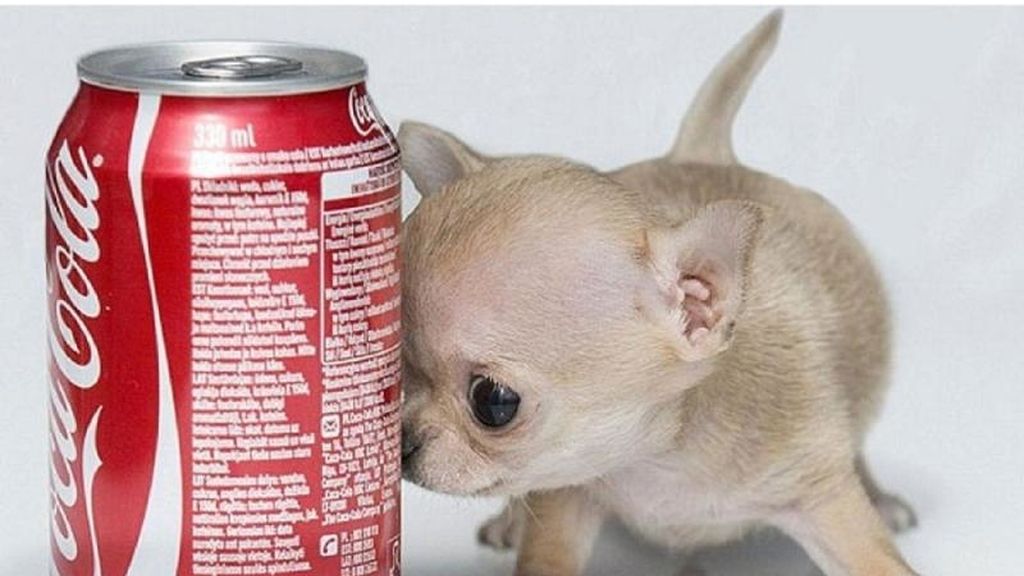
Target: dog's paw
(504,531)
(895,511)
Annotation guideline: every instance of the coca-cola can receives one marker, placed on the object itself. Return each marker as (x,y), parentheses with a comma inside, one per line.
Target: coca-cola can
(222,259)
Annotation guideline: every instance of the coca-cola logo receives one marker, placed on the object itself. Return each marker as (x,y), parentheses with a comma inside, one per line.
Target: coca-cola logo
(71,195)
(363,112)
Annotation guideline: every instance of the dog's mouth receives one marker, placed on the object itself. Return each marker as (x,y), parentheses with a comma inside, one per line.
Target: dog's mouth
(412,473)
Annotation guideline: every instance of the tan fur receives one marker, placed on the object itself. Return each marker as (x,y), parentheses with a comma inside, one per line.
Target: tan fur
(693,419)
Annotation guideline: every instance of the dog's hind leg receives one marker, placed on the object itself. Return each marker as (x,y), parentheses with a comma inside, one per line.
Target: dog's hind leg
(896,512)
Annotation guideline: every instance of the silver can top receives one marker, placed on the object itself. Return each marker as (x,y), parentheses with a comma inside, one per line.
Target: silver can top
(222,68)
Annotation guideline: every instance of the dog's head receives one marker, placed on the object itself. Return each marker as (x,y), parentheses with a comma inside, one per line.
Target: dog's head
(549,324)
(553,319)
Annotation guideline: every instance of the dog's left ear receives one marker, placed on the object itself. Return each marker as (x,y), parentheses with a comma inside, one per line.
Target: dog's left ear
(701,268)
(434,158)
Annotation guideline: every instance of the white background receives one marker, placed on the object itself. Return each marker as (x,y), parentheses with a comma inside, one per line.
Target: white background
(911,121)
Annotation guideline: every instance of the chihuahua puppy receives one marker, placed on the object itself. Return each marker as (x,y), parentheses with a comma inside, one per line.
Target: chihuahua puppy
(690,345)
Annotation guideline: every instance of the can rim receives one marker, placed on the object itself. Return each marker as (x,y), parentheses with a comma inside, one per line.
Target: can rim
(158,67)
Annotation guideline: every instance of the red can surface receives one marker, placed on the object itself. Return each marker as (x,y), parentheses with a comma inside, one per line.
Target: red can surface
(222,259)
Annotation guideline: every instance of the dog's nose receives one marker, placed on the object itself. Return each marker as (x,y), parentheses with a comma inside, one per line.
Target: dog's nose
(410,444)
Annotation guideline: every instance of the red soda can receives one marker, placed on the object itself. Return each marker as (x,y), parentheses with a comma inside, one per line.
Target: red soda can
(222,259)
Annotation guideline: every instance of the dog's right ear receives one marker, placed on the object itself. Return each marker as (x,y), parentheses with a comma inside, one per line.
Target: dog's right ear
(434,158)
(701,268)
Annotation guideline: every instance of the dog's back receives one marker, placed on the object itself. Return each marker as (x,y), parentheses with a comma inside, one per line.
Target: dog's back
(810,277)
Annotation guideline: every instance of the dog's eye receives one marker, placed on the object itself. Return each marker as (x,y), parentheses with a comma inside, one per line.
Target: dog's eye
(494,404)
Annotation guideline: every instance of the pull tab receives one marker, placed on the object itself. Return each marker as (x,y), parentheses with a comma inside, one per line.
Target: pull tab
(241,67)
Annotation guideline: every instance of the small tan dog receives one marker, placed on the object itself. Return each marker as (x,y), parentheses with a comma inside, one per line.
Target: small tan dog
(685,343)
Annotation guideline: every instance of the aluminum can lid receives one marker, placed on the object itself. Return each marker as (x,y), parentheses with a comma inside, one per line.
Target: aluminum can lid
(222,68)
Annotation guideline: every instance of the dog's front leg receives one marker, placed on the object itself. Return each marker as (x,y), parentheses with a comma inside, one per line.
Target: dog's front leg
(844,534)
(561,527)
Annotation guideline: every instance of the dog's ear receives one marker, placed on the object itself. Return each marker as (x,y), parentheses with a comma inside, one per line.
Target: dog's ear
(434,158)
(701,268)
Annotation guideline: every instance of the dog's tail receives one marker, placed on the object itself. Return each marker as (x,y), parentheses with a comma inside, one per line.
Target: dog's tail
(706,133)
